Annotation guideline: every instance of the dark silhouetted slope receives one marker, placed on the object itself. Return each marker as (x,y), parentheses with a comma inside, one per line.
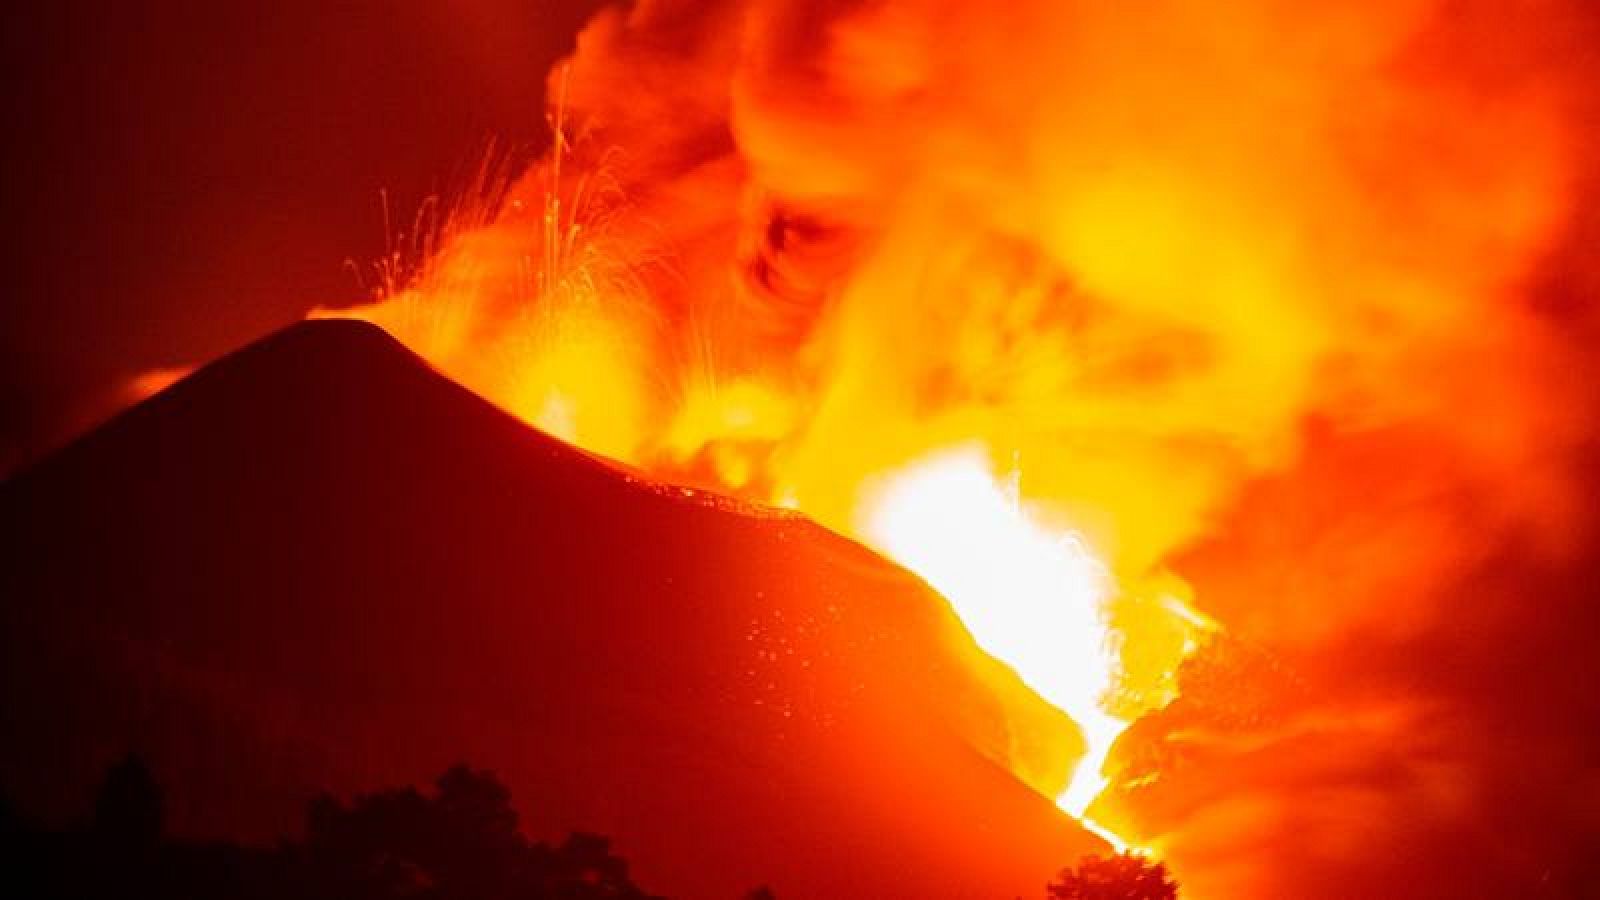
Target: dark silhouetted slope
(318,564)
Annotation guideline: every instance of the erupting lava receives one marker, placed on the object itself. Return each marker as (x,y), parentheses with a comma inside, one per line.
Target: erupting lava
(1034,599)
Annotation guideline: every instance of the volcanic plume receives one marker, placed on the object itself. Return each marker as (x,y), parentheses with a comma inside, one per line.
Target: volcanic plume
(1275,317)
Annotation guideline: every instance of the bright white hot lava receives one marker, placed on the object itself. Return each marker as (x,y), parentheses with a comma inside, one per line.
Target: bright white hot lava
(1031,596)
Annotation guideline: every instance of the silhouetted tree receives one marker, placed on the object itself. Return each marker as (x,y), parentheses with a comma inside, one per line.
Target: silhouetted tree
(462,843)
(128,807)
(459,842)
(583,867)
(1125,876)
(476,843)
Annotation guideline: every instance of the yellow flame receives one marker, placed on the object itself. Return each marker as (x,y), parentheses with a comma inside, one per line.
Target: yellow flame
(1031,596)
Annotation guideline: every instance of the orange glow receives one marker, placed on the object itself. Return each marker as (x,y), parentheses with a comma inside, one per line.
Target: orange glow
(1026,311)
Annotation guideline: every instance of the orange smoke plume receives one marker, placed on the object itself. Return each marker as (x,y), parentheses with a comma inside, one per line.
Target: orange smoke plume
(1246,295)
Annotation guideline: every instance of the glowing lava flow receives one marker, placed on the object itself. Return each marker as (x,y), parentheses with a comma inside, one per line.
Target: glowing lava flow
(1030,597)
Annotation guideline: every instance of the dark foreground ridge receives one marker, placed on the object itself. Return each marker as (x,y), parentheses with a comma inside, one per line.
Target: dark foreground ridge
(459,841)
(318,565)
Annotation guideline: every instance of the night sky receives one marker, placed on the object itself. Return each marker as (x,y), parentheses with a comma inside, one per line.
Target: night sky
(186,176)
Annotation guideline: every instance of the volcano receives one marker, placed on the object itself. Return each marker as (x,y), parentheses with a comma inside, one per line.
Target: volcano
(317,564)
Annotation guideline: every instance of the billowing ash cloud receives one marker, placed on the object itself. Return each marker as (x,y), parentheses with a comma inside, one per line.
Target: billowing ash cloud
(1293,302)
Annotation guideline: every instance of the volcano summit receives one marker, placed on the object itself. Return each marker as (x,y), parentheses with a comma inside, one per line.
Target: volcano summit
(317,564)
